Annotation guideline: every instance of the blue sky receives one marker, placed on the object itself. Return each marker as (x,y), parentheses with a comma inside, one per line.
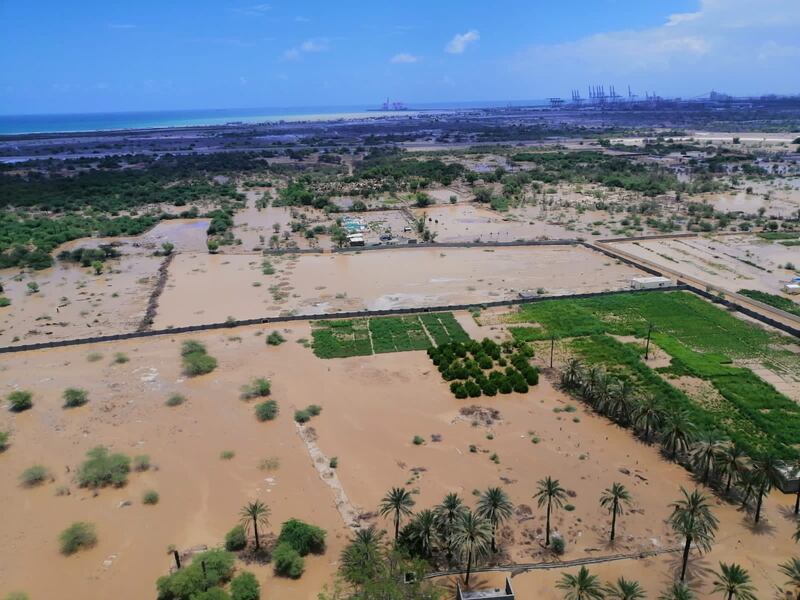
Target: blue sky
(112,55)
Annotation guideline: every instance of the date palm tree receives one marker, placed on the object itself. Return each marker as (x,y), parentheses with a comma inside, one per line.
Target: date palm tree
(791,568)
(747,481)
(767,474)
(692,518)
(615,499)
(734,582)
(602,392)
(731,462)
(677,432)
(621,401)
(624,589)
(572,374)
(472,537)
(397,502)
(677,591)
(582,586)
(647,415)
(255,513)
(363,555)
(495,506)
(591,380)
(797,496)
(424,533)
(703,455)
(447,514)
(549,493)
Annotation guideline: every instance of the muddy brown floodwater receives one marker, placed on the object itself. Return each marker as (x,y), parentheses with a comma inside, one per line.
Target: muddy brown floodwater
(204,289)
(372,407)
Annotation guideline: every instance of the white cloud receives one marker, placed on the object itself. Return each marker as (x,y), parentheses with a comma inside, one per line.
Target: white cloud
(254,10)
(307,47)
(460,41)
(738,46)
(403,58)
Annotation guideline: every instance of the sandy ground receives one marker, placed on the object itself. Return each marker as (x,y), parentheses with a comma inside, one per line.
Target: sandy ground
(720,260)
(205,289)
(372,408)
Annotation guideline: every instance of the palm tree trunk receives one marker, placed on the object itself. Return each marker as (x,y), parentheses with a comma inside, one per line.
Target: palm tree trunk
(797,501)
(255,529)
(686,549)
(728,484)
(547,536)
(760,500)
(705,473)
(730,595)
(469,565)
(647,433)
(494,531)
(614,520)
(396,525)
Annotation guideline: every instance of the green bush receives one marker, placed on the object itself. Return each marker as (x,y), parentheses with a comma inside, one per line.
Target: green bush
(275,338)
(302,416)
(214,593)
(227,454)
(4,302)
(236,539)
(33,476)
(302,537)
(150,497)
(245,587)
(141,462)
(189,582)
(101,469)
(78,536)
(4,435)
(120,358)
(266,411)
(74,397)
(258,388)
(288,562)
(196,360)
(175,400)
(418,440)
(314,409)
(20,400)
(557,544)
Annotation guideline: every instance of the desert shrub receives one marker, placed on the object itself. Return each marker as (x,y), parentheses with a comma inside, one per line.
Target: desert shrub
(236,539)
(557,544)
(20,400)
(245,587)
(4,435)
(302,416)
(214,593)
(33,476)
(266,411)
(258,388)
(188,583)
(418,440)
(101,469)
(302,537)
(275,338)
(227,454)
(78,536)
(16,596)
(314,409)
(334,462)
(288,562)
(94,356)
(120,358)
(4,302)
(74,397)
(150,497)
(141,462)
(175,400)
(196,360)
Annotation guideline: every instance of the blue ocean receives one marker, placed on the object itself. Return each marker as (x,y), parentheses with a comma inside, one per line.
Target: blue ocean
(83,122)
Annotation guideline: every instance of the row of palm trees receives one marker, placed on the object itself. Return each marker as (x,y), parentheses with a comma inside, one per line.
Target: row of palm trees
(731,581)
(714,461)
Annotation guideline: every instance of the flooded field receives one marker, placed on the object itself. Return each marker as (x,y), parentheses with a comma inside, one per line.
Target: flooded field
(205,289)
(201,494)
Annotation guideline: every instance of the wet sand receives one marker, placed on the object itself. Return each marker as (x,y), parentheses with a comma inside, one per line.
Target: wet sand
(372,408)
(206,289)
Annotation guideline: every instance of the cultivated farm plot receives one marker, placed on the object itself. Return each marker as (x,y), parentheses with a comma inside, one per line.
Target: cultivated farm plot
(379,335)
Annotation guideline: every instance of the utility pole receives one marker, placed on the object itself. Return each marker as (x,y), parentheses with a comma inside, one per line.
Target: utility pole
(552,345)
(647,347)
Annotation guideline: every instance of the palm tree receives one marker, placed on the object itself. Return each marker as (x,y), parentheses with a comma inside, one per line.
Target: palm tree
(692,518)
(550,493)
(796,536)
(602,393)
(613,499)
(747,481)
(731,462)
(648,415)
(363,555)
(797,497)
(766,473)
(256,513)
(592,379)
(423,531)
(624,589)
(399,502)
(572,374)
(582,586)
(448,513)
(495,506)
(621,401)
(791,568)
(677,432)
(734,582)
(472,537)
(677,591)
(703,455)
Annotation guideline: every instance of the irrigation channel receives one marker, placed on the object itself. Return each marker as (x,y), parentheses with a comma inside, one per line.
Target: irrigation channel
(752,308)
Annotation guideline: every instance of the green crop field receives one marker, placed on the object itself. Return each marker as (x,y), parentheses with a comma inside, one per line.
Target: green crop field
(702,341)
(362,337)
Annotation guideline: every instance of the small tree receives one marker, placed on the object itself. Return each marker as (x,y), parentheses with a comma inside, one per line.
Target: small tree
(78,536)
(550,493)
(255,514)
(19,400)
(74,397)
(245,587)
(614,499)
(97,265)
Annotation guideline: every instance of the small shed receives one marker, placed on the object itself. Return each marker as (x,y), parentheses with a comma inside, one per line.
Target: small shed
(504,593)
(356,239)
(650,283)
(791,288)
